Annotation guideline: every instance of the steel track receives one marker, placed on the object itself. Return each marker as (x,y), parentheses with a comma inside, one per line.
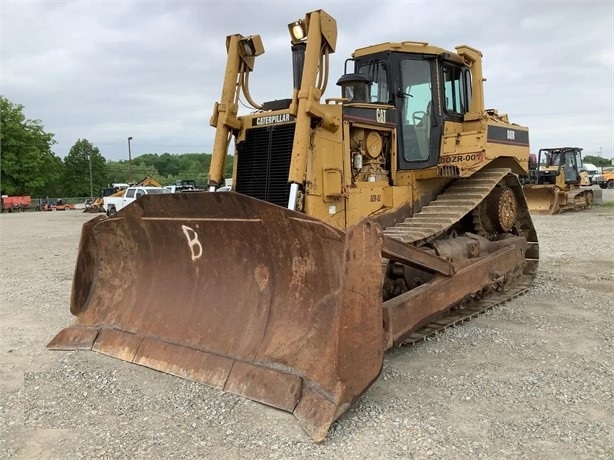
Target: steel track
(439,216)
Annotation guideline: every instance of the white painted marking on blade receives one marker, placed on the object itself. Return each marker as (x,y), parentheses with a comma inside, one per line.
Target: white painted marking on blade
(193,242)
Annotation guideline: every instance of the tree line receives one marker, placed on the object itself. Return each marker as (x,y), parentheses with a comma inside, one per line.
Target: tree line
(598,161)
(28,165)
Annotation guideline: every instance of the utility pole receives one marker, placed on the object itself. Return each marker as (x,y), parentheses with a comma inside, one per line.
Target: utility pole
(91,190)
(130,160)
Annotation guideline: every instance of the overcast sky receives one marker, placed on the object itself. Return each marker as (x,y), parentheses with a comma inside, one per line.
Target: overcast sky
(107,70)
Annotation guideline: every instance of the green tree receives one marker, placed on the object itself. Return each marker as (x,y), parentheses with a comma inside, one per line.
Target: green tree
(228,165)
(167,168)
(81,157)
(596,160)
(54,182)
(166,164)
(121,171)
(27,164)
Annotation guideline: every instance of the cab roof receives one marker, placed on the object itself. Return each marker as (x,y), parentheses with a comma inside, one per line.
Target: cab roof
(408,47)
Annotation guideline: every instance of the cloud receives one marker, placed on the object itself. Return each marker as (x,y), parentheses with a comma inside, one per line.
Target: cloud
(106,70)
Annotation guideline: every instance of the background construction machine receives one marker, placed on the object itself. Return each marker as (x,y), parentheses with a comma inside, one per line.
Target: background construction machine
(117,190)
(184,185)
(95,204)
(556,182)
(356,224)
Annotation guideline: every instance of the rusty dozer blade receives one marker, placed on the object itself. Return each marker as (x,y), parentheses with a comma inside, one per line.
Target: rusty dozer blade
(236,293)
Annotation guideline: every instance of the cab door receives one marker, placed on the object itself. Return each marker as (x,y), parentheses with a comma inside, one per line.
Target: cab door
(419,120)
(571,171)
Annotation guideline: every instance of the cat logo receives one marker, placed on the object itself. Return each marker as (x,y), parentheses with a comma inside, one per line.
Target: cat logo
(380,115)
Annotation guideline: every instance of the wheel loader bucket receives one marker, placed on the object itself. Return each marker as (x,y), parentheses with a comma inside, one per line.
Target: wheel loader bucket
(542,199)
(236,293)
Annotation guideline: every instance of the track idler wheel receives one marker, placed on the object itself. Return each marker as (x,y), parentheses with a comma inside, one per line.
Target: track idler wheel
(497,213)
(502,209)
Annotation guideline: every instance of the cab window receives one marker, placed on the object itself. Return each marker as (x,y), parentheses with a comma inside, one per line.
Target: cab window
(457,90)
(378,89)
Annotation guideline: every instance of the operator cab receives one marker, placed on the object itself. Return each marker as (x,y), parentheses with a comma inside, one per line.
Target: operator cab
(407,80)
(551,161)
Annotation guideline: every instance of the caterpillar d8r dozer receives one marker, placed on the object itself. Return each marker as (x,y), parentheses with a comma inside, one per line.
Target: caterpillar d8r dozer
(356,224)
(556,182)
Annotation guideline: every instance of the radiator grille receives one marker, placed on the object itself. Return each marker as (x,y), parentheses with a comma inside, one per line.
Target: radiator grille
(263,163)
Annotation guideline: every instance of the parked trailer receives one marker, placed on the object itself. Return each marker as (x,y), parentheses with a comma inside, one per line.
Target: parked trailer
(15,203)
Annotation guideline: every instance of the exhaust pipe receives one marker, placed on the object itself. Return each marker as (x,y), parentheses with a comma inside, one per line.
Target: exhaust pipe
(298,62)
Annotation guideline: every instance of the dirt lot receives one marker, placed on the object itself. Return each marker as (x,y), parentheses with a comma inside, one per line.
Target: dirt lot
(532,378)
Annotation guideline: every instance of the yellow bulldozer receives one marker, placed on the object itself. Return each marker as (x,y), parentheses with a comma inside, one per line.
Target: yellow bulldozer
(558,182)
(356,224)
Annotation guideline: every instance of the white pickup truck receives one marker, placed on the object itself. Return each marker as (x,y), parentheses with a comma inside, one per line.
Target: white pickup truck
(112,204)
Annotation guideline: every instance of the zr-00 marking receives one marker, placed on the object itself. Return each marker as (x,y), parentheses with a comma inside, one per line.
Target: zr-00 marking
(459,158)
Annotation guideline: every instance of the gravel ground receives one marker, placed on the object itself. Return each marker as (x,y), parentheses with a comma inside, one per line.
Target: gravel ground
(532,378)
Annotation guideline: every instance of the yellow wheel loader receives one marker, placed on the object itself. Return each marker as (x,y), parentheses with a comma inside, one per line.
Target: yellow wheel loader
(356,224)
(556,182)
